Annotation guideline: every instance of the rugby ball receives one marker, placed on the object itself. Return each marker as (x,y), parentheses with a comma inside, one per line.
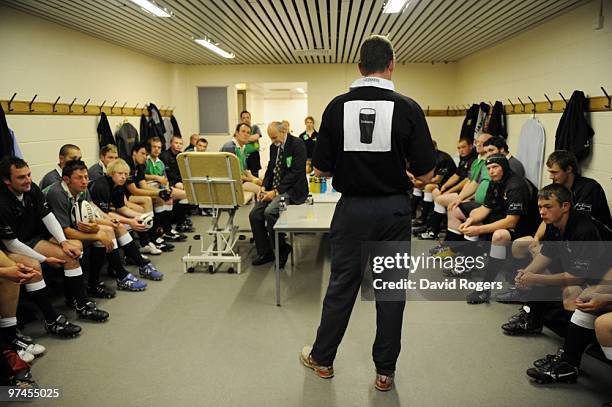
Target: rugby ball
(147,220)
(85,212)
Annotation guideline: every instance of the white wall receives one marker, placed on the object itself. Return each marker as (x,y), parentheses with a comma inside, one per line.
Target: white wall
(559,56)
(43,58)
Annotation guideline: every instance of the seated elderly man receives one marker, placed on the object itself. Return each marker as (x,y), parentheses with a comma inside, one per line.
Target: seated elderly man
(509,211)
(574,240)
(236,146)
(285,179)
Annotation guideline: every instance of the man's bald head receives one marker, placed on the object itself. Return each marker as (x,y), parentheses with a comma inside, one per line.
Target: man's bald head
(276,133)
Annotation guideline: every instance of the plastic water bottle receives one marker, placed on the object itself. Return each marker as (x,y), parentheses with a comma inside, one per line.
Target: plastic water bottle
(282,207)
(312,184)
(310,213)
(323,185)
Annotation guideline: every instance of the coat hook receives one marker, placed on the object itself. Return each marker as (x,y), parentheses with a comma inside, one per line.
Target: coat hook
(490,104)
(30,104)
(112,107)
(607,96)
(136,107)
(123,107)
(55,103)
(511,104)
(70,106)
(85,106)
(427,110)
(523,109)
(534,105)
(563,97)
(549,102)
(102,105)
(11,101)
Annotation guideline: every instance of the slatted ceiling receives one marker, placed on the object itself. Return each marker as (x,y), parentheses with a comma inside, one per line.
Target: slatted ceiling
(438,30)
(486,30)
(483,13)
(268,31)
(528,21)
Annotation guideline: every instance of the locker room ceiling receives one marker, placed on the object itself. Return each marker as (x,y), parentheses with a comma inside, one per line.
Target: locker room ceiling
(277,31)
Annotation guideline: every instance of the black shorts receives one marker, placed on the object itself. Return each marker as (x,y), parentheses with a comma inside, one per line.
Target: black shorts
(514,233)
(467,207)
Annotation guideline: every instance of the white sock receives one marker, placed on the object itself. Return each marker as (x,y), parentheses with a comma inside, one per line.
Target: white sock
(184,201)
(428,197)
(417,192)
(125,239)
(583,319)
(159,209)
(498,252)
(438,208)
(471,238)
(8,322)
(115,245)
(73,272)
(39,285)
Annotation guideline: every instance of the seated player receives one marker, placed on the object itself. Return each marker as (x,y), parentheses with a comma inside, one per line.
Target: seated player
(109,194)
(27,226)
(12,276)
(498,145)
(588,197)
(591,320)
(155,174)
(106,234)
(161,198)
(236,146)
(445,168)
(67,152)
(509,211)
(581,257)
(108,154)
(443,199)
(173,174)
(201,145)
(193,141)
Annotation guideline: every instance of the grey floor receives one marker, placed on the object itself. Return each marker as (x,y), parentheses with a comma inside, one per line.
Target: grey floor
(219,340)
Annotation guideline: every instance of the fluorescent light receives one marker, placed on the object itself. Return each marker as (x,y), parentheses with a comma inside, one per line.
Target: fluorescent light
(207,44)
(300,90)
(152,8)
(394,6)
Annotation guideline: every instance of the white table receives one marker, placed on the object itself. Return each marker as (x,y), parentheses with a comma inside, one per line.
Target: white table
(328,197)
(300,218)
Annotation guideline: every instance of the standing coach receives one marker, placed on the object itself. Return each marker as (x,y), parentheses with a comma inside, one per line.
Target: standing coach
(369,138)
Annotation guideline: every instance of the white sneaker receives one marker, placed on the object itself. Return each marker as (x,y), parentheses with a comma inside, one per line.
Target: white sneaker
(25,356)
(31,348)
(150,249)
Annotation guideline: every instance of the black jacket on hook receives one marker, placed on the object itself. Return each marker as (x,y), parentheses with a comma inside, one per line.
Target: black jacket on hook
(469,123)
(497,122)
(155,125)
(574,132)
(144,129)
(175,126)
(105,135)
(6,140)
